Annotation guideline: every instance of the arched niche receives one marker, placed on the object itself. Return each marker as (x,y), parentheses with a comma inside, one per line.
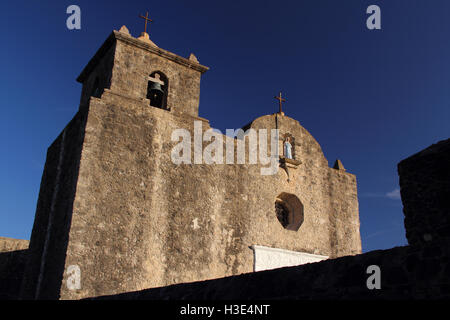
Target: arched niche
(158,89)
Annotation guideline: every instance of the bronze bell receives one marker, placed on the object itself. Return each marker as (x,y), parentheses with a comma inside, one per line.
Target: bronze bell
(155,90)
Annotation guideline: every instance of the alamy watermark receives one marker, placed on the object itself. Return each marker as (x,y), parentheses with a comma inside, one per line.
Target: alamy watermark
(374,280)
(374,20)
(214,152)
(73,21)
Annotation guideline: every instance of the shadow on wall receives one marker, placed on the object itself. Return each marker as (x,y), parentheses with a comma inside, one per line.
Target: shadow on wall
(12,267)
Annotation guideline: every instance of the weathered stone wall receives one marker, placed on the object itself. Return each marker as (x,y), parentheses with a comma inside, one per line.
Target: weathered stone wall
(141,221)
(100,68)
(343,212)
(49,237)
(133,65)
(425,191)
(418,271)
(114,204)
(406,273)
(329,196)
(13,257)
(123,64)
(10,244)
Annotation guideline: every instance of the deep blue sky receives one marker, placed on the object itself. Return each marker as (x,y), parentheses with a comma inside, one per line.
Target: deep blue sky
(370,98)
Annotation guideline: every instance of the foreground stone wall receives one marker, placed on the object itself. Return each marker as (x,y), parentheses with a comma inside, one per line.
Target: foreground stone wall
(406,273)
(425,190)
(13,257)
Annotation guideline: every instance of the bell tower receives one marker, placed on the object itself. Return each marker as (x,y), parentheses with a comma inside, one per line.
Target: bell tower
(137,68)
(157,90)
(132,93)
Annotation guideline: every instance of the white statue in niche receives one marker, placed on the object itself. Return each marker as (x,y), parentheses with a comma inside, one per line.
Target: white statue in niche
(288,148)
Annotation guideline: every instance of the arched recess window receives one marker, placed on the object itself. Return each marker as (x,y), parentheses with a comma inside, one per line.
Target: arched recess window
(157,90)
(289,211)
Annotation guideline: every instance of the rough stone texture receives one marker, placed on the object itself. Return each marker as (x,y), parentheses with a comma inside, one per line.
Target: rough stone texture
(113,203)
(13,255)
(145,37)
(123,64)
(125,30)
(418,271)
(425,191)
(338,165)
(406,273)
(10,244)
(49,238)
(100,68)
(157,223)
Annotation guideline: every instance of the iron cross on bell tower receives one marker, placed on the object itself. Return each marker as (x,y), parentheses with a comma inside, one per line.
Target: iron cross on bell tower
(147,19)
(280,100)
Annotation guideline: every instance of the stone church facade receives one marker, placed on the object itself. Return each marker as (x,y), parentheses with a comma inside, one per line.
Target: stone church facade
(113,204)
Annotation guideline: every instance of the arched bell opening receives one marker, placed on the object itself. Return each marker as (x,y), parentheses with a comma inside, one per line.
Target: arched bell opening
(157,90)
